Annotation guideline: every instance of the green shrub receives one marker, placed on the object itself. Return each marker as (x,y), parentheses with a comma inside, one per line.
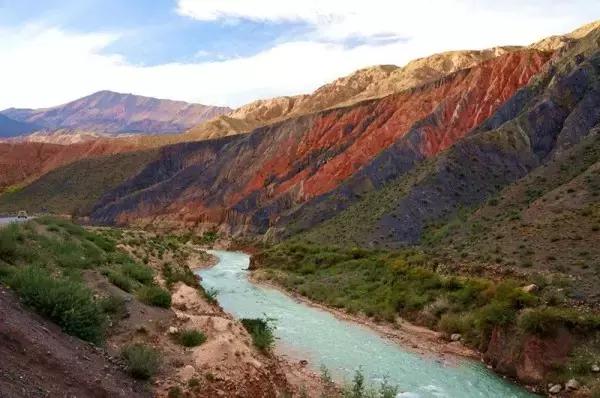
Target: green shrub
(103,242)
(67,303)
(174,274)
(454,323)
(154,295)
(121,281)
(9,237)
(175,392)
(191,338)
(138,272)
(209,294)
(547,320)
(113,305)
(261,331)
(141,361)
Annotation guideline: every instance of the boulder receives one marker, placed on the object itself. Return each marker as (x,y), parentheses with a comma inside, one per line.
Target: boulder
(455,337)
(595,368)
(187,372)
(572,385)
(530,288)
(555,389)
(173,330)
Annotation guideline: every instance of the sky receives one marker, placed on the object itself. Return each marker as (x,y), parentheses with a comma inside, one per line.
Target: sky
(231,52)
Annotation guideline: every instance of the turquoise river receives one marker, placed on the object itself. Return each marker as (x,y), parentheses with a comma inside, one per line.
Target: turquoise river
(306,332)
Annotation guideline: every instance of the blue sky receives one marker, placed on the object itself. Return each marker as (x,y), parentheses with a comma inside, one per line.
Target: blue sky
(229,52)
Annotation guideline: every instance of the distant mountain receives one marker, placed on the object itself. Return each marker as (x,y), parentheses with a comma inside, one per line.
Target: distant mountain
(12,128)
(110,112)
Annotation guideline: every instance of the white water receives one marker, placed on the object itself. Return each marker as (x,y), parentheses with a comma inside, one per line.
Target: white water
(8,220)
(306,332)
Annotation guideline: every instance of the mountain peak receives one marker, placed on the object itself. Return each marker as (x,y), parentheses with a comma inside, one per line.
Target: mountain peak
(111,112)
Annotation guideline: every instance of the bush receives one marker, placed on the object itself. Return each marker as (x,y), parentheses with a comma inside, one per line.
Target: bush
(176,392)
(67,303)
(210,294)
(9,236)
(547,320)
(174,274)
(113,305)
(154,295)
(138,272)
(121,281)
(261,331)
(141,361)
(191,338)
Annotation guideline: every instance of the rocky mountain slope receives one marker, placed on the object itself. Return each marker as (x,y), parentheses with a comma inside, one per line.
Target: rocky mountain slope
(275,168)
(368,83)
(110,112)
(12,128)
(553,113)
(23,162)
(76,187)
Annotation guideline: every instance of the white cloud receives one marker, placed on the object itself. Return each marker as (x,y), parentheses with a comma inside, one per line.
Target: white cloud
(45,66)
(445,20)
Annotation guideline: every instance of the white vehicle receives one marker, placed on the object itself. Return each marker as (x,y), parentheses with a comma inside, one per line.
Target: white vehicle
(22,215)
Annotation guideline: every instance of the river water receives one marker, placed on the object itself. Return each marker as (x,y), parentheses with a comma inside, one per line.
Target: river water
(305,332)
(8,220)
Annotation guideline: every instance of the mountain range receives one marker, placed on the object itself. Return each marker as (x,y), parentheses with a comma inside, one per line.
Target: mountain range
(110,113)
(485,161)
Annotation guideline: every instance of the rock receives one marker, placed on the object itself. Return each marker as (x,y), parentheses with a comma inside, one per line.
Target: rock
(530,288)
(572,385)
(303,362)
(173,330)
(555,389)
(455,337)
(595,368)
(187,372)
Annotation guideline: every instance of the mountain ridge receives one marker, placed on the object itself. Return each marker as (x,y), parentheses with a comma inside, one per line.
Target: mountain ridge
(111,112)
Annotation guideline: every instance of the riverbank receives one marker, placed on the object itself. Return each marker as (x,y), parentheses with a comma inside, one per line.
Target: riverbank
(414,338)
(504,319)
(300,378)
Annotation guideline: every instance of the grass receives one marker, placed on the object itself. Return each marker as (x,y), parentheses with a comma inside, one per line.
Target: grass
(113,306)
(67,303)
(154,295)
(179,273)
(209,294)
(123,282)
(261,331)
(141,361)
(43,261)
(190,338)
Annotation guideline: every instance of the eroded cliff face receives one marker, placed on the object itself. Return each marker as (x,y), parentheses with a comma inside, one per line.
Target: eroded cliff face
(256,178)
(530,359)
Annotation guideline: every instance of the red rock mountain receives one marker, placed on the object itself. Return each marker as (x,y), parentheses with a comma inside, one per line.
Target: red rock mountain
(249,182)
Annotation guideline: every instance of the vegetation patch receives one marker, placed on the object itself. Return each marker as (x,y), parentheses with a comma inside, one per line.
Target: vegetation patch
(190,338)
(67,303)
(261,331)
(406,283)
(141,361)
(154,295)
